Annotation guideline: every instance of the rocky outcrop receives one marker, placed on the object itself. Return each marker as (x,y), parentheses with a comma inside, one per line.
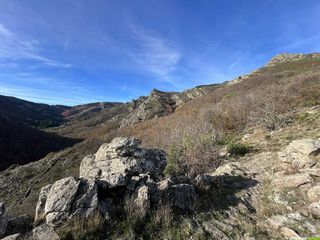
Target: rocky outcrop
(299,166)
(160,103)
(117,171)
(291,57)
(283,182)
(68,198)
(59,200)
(157,104)
(115,163)
(300,153)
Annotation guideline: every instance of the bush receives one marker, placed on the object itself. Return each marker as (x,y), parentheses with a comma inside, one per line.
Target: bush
(272,110)
(303,117)
(239,149)
(193,150)
(231,114)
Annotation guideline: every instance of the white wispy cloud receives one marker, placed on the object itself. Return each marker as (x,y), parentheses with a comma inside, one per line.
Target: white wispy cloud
(65,95)
(237,60)
(14,47)
(153,53)
(4,31)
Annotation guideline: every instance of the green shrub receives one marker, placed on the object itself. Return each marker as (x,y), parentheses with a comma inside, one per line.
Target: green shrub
(310,102)
(303,116)
(239,149)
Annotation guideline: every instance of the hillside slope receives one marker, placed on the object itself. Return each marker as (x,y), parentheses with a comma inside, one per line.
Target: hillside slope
(21,144)
(251,121)
(34,114)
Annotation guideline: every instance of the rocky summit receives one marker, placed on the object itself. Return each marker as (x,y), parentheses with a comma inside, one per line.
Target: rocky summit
(235,160)
(119,173)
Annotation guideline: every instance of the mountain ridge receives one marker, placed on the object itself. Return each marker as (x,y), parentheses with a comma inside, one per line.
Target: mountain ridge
(248,126)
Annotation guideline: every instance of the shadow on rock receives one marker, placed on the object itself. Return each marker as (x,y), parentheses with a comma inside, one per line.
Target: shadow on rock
(226,191)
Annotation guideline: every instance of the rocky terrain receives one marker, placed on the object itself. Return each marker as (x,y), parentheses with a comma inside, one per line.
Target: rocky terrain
(238,160)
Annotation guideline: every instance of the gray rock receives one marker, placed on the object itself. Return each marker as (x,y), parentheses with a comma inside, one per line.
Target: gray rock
(214,231)
(68,199)
(299,153)
(277,221)
(283,223)
(283,182)
(314,209)
(87,195)
(12,237)
(86,203)
(40,212)
(115,163)
(164,184)
(44,231)
(121,146)
(60,199)
(3,219)
(314,194)
(142,200)
(88,168)
(289,233)
(183,196)
(229,169)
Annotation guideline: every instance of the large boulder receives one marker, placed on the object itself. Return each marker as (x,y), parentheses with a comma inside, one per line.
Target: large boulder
(3,219)
(67,199)
(300,153)
(59,200)
(115,163)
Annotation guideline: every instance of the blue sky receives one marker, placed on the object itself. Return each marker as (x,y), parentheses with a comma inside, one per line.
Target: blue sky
(72,52)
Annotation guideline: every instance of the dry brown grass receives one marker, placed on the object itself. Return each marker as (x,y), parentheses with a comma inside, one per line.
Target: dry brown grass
(266,98)
(162,216)
(194,149)
(80,228)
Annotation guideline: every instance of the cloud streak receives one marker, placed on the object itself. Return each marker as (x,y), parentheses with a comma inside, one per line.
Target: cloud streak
(16,48)
(153,53)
